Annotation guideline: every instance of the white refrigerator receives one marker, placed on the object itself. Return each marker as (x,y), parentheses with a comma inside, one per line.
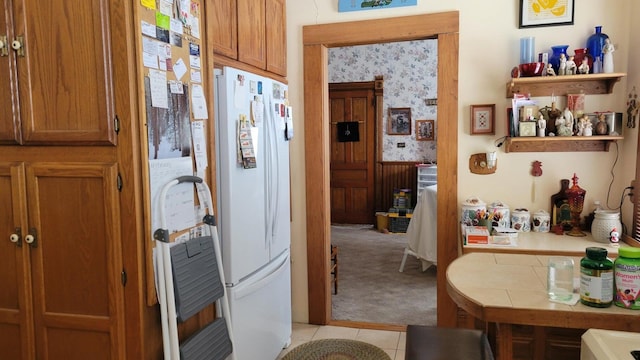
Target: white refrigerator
(254,210)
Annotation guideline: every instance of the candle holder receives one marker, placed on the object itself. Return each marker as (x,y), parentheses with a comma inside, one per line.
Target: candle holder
(575,194)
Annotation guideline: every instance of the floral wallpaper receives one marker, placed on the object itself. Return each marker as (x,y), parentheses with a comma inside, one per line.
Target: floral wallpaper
(410,72)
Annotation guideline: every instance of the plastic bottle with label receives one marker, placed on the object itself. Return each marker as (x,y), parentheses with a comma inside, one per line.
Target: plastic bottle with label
(627,278)
(596,278)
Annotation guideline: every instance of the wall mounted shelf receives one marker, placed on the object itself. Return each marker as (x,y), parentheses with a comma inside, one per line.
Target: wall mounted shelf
(560,143)
(563,85)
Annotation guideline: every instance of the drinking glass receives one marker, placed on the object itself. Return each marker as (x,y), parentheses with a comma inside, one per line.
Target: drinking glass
(560,278)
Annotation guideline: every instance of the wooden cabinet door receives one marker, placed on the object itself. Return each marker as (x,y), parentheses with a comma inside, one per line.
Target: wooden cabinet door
(276,32)
(16,330)
(223,16)
(251,33)
(61,296)
(65,74)
(10,124)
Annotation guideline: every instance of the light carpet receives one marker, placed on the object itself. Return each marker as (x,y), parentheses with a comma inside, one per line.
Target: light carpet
(370,287)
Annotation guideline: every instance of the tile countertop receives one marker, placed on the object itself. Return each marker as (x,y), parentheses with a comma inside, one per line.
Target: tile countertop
(511,289)
(545,243)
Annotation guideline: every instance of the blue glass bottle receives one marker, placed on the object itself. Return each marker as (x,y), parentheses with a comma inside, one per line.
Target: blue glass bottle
(595,42)
(554,58)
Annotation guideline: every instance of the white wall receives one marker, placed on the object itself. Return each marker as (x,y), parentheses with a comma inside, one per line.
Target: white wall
(489,48)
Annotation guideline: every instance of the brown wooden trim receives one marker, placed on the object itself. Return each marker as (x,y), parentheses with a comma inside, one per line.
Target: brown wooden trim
(386,30)
(316,39)
(367,325)
(317,159)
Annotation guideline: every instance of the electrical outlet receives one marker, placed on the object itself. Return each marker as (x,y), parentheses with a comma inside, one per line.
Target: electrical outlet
(632,192)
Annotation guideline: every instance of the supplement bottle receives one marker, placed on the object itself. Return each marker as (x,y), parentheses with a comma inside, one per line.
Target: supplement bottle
(596,278)
(627,278)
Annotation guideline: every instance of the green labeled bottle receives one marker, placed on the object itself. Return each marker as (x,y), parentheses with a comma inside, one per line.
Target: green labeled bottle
(627,278)
(596,278)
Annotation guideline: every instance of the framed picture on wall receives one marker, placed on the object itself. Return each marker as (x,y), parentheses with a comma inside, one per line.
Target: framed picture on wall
(425,130)
(399,122)
(546,13)
(483,119)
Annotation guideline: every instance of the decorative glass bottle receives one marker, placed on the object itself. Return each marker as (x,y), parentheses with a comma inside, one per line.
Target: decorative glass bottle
(554,59)
(575,195)
(595,43)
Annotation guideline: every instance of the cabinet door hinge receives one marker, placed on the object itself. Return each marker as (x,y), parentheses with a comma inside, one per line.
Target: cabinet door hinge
(116,124)
(119,182)
(123,277)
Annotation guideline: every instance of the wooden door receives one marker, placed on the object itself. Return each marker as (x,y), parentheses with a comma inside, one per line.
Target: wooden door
(276,32)
(16,316)
(223,21)
(76,262)
(10,132)
(251,32)
(65,73)
(352,162)
(62,295)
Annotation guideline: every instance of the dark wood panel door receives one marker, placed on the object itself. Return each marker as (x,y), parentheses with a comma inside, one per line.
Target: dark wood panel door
(352,161)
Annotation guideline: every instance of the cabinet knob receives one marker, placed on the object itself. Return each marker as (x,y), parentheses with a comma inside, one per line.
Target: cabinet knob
(29,239)
(14,238)
(18,45)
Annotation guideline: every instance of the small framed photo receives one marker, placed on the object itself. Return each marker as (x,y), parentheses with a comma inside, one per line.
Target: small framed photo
(483,119)
(425,130)
(535,13)
(399,122)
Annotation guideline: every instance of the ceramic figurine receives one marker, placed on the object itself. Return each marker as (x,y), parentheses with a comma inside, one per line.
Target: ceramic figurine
(601,126)
(550,71)
(607,56)
(584,67)
(542,126)
(562,68)
(588,129)
(561,127)
(571,67)
(568,118)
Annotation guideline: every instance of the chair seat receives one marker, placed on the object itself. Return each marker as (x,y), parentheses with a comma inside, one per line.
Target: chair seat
(434,343)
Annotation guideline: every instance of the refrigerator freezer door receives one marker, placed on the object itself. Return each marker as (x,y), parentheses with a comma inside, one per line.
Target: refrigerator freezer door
(261,311)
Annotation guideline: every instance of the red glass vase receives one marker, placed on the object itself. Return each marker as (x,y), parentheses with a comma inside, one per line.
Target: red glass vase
(581,54)
(575,194)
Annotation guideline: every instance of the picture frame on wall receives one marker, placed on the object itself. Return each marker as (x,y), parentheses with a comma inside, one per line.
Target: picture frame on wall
(399,122)
(536,13)
(425,130)
(483,119)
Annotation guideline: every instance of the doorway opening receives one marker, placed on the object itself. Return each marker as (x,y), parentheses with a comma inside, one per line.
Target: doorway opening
(317,39)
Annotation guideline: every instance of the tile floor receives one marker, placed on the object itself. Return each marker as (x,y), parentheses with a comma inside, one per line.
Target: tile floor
(392,342)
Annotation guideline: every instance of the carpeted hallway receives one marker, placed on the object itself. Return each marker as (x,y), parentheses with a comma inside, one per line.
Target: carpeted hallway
(370,287)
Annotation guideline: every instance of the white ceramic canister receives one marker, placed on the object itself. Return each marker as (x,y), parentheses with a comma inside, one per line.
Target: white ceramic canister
(541,221)
(603,224)
(521,220)
(470,209)
(501,214)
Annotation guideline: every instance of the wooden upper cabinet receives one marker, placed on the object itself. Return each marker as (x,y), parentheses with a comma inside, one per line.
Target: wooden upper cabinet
(224,26)
(64,73)
(251,33)
(10,131)
(276,31)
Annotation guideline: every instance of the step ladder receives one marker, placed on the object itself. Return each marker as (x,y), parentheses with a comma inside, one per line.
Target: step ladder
(189,277)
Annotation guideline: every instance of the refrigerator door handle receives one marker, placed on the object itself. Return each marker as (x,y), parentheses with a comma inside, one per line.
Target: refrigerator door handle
(261,282)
